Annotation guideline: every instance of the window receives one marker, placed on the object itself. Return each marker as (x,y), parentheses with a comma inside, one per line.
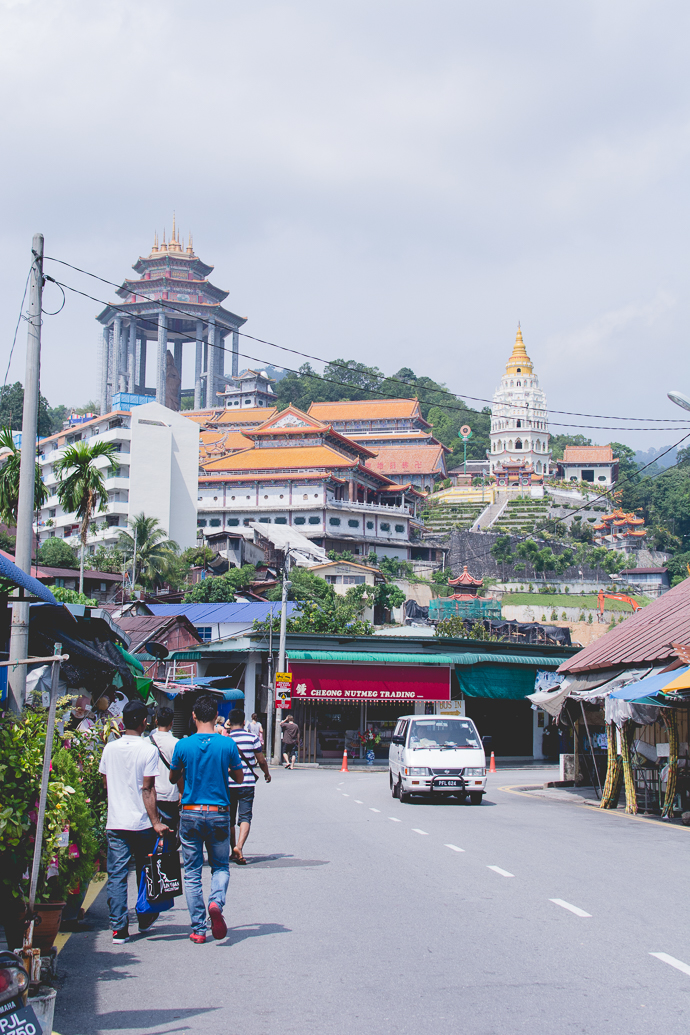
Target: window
(399,528)
(353,523)
(265,521)
(353,580)
(233,522)
(384,526)
(331,579)
(601,478)
(301,520)
(52,513)
(518,443)
(314,521)
(104,586)
(588,476)
(370,525)
(205,632)
(215,522)
(201,523)
(281,521)
(334,521)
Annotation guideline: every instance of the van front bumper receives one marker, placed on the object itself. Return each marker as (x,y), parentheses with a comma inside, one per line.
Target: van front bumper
(427,785)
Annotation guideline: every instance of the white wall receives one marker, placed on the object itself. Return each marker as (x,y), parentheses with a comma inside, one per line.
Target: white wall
(164,470)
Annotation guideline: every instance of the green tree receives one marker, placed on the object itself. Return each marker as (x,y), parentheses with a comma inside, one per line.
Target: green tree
(221,589)
(70,596)
(528,551)
(152,553)
(56,553)
(107,559)
(9,480)
(12,411)
(597,558)
(197,556)
(502,553)
(304,585)
(81,489)
(336,616)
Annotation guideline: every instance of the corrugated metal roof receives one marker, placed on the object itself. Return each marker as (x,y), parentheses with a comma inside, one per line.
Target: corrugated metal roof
(208,614)
(646,636)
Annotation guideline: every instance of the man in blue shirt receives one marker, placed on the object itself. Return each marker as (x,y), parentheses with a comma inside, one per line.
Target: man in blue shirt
(204,761)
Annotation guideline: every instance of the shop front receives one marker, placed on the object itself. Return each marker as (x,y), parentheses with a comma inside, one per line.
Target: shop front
(348,705)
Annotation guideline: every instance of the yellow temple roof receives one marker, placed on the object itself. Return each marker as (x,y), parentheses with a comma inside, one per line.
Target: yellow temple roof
(519,362)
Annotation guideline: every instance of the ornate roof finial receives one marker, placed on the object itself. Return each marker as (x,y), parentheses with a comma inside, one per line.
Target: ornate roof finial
(155,243)
(519,362)
(173,229)
(190,247)
(163,246)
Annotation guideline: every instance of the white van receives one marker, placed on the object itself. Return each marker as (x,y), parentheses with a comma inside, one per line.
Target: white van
(430,754)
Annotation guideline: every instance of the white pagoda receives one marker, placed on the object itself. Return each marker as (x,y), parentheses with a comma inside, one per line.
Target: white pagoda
(519,423)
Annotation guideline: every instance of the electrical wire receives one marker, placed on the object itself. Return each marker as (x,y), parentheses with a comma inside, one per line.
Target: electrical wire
(16,329)
(329,380)
(333,363)
(64,297)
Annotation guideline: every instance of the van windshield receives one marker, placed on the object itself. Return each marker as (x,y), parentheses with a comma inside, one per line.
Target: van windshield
(443,733)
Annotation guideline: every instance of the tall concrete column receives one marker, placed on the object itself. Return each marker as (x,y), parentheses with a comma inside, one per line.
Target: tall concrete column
(117,353)
(131,354)
(141,364)
(197,364)
(162,357)
(235,353)
(250,686)
(177,359)
(212,365)
(104,368)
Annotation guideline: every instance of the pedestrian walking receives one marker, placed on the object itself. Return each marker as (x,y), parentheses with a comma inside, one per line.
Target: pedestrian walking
(255,727)
(205,760)
(129,767)
(242,797)
(167,794)
(290,733)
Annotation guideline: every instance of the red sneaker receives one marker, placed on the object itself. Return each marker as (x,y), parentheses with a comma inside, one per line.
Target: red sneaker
(219,928)
(198,939)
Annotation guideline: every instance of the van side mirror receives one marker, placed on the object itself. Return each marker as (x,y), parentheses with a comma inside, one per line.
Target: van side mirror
(398,740)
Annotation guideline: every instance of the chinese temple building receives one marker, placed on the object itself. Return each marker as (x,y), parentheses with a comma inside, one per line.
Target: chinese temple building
(519,421)
(619,528)
(465,602)
(466,584)
(193,315)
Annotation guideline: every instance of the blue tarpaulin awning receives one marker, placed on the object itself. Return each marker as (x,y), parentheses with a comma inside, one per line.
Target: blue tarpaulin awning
(644,688)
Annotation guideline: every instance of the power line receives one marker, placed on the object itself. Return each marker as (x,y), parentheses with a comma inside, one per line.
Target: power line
(16,329)
(319,359)
(321,377)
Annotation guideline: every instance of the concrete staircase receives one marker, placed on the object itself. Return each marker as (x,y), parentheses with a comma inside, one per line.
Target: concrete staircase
(491,513)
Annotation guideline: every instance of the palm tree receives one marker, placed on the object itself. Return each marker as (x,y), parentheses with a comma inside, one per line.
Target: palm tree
(81,490)
(9,481)
(153,554)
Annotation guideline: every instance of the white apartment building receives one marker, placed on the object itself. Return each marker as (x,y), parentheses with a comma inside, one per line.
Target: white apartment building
(158,458)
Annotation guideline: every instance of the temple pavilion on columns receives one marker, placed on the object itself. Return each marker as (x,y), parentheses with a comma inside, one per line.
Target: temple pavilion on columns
(172,303)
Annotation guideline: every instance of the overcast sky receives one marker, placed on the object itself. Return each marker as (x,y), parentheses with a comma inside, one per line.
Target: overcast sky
(390,181)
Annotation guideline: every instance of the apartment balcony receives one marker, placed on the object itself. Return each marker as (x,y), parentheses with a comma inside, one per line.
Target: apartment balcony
(375,508)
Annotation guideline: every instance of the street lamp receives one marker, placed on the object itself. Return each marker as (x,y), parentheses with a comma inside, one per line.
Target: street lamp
(679,399)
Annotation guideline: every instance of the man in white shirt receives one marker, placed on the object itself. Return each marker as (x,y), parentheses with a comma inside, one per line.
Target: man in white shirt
(167,794)
(129,767)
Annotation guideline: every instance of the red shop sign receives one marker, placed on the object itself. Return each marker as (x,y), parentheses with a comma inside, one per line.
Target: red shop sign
(313,680)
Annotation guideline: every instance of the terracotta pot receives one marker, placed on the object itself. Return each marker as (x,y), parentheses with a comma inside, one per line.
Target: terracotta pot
(45,933)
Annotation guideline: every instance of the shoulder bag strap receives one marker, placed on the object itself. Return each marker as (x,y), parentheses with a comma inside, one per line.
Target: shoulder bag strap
(160,753)
(245,759)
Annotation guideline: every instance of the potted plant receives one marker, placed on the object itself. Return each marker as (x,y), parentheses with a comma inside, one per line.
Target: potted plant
(70,843)
(369,739)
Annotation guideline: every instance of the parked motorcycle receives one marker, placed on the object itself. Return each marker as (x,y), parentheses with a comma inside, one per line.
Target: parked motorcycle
(16,1018)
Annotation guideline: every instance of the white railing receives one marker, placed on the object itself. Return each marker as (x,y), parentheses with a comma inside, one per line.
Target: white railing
(345,504)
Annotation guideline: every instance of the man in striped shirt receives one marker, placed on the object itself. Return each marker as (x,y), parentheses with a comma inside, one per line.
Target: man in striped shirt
(242,795)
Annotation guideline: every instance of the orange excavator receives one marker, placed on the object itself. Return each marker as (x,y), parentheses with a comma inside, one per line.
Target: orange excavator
(616,596)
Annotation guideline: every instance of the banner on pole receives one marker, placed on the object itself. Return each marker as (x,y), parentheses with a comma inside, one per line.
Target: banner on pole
(283,689)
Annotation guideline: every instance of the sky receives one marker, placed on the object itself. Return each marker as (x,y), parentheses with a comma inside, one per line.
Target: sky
(397,182)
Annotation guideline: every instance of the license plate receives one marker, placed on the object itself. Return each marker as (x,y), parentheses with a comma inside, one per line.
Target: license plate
(20,1022)
(447,783)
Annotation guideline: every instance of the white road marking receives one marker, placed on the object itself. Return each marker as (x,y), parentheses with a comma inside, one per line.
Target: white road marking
(357,801)
(345,795)
(374,810)
(503,873)
(573,909)
(672,961)
(394,820)
(416,830)
(454,848)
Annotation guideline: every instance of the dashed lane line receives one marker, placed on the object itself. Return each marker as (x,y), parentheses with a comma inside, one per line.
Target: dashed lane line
(394,820)
(503,873)
(374,810)
(574,909)
(672,961)
(357,801)
(454,848)
(416,830)
(345,795)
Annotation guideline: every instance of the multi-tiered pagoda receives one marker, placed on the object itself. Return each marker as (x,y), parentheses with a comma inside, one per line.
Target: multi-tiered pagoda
(172,303)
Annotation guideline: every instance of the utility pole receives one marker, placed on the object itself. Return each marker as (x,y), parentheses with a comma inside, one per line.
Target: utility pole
(281,643)
(19,635)
(271,692)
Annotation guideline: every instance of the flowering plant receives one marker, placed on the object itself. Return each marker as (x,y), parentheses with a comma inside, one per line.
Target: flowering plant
(369,739)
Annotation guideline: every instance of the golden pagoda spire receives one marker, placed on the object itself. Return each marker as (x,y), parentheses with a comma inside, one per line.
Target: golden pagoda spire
(519,362)
(163,246)
(190,247)
(155,243)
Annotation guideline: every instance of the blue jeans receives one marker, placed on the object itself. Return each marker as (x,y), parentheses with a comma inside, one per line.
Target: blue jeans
(196,830)
(124,845)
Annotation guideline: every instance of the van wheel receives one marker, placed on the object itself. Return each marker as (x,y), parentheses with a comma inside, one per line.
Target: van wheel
(405,798)
(476,797)
(394,786)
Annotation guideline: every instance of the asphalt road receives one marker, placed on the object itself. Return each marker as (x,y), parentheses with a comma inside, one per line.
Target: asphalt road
(360,913)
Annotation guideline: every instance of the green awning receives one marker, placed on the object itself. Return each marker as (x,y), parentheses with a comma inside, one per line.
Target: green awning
(392,658)
(505,682)
(131,660)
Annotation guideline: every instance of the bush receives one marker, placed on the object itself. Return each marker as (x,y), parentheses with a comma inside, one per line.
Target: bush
(72,596)
(56,553)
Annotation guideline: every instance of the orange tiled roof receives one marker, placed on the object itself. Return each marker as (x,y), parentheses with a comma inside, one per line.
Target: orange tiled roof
(365,409)
(201,416)
(220,443)
(298,477)
(252,415)
(407,459)
(281,459)
(588,455)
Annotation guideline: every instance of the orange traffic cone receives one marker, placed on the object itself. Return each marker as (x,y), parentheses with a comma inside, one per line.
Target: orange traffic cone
(343,768)
(492,764)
